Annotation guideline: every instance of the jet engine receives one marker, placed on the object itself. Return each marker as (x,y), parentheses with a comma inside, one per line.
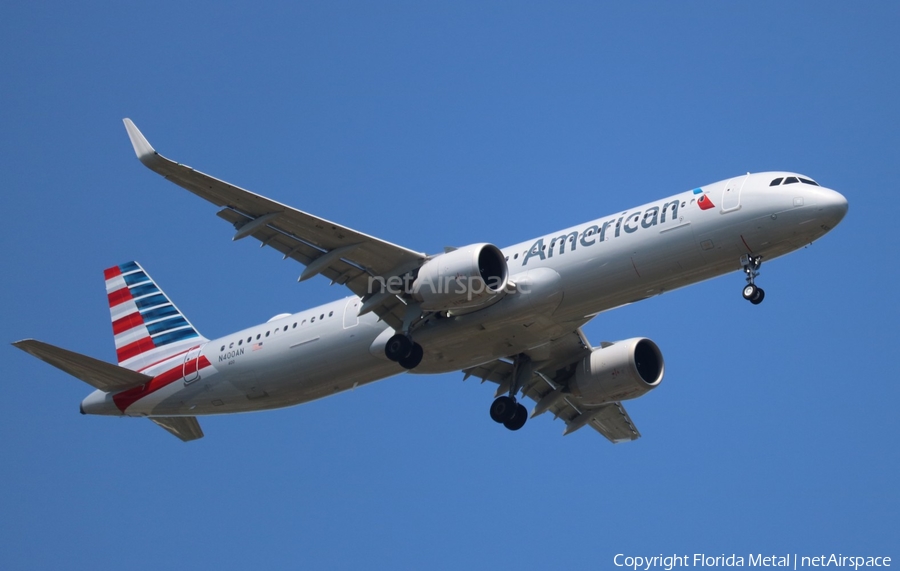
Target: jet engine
(620,371)
(463,278)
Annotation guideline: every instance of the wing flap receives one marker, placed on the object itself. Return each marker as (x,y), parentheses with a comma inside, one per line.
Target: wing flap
(613,422)
(99,374)
(303,252)
(496,371)
(184,427)
(339,270)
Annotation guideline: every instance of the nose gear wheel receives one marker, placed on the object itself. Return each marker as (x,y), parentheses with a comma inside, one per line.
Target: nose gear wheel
(751,265)
(754,294)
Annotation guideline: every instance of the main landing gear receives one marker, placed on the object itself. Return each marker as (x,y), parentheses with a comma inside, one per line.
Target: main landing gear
(403,350)
(752,293)
(505,409)
(509,413)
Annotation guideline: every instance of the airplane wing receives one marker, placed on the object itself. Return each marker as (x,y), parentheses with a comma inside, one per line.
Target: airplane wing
(342,254)
(184,427)
(99,374)
(554,364)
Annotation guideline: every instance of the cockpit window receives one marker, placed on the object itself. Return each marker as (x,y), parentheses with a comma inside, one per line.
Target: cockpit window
(792,180)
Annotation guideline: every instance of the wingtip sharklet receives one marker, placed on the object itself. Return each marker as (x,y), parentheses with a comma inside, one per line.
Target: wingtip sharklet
(142,148)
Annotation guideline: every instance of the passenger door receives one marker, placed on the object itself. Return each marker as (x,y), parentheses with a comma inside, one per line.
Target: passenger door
(731,196)
(191,367)
(351,313)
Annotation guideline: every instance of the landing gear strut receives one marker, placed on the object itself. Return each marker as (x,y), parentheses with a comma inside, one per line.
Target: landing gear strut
(751,292)
(404,351)
(505,409)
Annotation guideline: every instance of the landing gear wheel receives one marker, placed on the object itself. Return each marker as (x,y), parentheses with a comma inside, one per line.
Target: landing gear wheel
(412,360)
(760,295)
(518,420)
(750,292)
(398,347)
(504,409)
(750,265)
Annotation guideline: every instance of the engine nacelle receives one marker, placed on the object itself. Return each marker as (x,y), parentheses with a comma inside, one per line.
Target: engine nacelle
(621,371)
(467,277)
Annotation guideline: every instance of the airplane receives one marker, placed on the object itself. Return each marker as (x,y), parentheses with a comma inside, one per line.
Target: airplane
(512,315)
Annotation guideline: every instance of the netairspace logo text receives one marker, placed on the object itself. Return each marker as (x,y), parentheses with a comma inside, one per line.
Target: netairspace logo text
(786,561)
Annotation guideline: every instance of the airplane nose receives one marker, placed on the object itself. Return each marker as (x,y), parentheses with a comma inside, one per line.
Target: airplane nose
(833,205)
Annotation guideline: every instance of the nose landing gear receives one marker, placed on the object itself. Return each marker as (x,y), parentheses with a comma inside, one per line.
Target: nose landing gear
(751,265)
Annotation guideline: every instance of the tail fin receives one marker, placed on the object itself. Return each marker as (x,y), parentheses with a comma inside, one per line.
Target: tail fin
(146,324)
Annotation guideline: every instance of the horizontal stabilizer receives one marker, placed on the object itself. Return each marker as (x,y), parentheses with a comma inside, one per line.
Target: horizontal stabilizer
(184,427)
(99,374)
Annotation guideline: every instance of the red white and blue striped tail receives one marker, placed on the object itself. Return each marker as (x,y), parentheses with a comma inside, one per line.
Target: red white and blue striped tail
(147,326)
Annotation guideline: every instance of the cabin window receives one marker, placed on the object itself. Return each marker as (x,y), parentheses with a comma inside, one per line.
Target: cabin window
(330,313)
(313,319)
(516,257)
(267,333)
(322,316)
(285,328)
(303,322)
(249,339)
(295,325)
(258,335)
(776,182)
(223,348)
(231,346)
(240,342)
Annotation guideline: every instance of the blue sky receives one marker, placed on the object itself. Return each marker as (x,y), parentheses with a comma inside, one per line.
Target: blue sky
(429,125)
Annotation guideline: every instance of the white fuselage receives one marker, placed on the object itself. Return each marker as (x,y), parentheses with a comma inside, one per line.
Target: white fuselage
(562,280)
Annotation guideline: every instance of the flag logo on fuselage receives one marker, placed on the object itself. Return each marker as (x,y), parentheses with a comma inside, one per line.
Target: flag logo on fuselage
(703,202)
